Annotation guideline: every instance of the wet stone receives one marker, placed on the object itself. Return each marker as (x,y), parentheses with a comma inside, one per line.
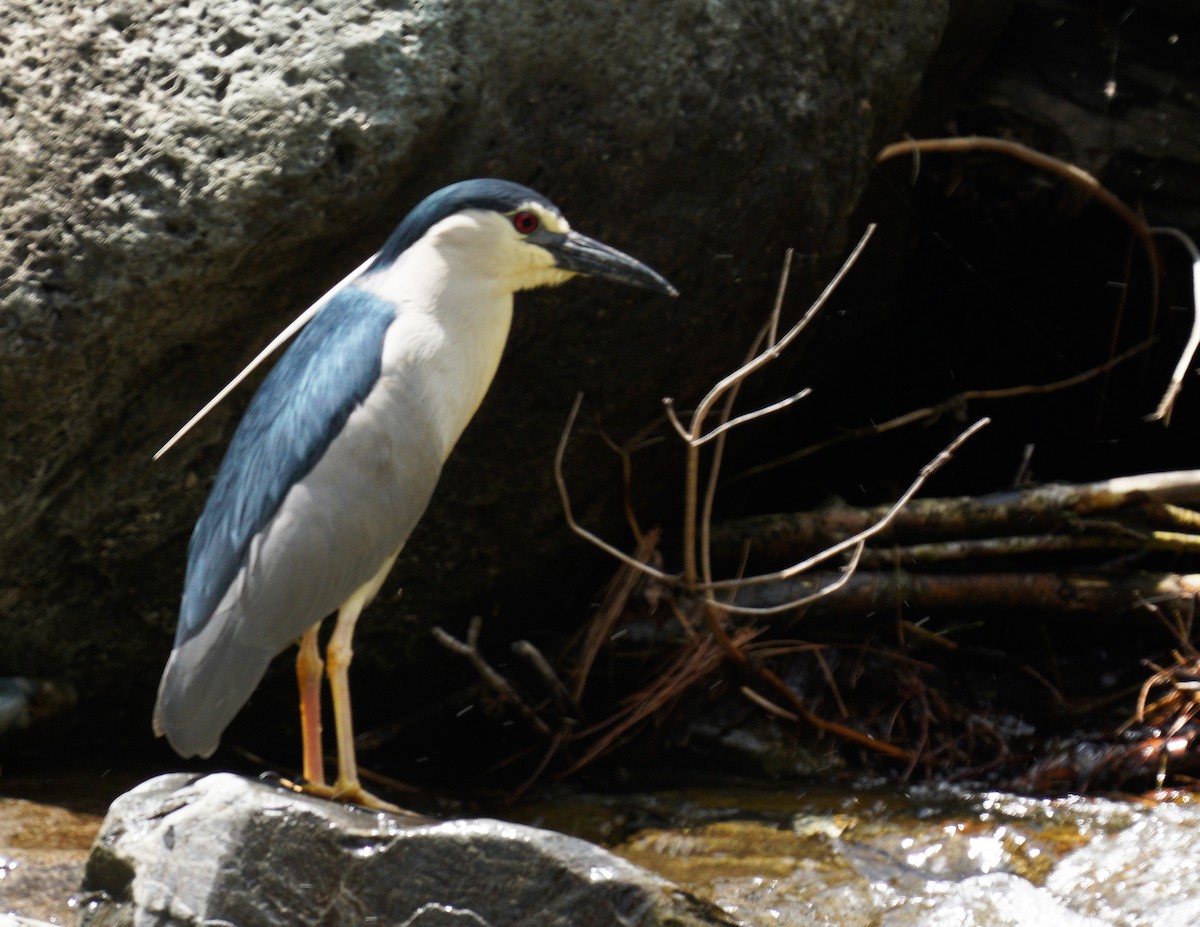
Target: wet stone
(183,850)
(919,857)
(42,853)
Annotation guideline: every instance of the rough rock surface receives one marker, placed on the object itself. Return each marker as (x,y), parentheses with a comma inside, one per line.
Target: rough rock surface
(180,178)
(182,850)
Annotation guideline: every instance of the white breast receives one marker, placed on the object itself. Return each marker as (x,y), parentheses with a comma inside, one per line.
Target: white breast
(452,322)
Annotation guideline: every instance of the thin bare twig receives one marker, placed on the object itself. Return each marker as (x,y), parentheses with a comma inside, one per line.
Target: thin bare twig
(927,471)
(749,417)
(676,422)
(769,334)
(500,685)
(729,382)
(952,405)
(563,701)
(843,577)
(768,706)
(1070,172)
(692,464)
(565,498)
(625,456)
(620,588)
(294,326)
(1163,412)
(703,654)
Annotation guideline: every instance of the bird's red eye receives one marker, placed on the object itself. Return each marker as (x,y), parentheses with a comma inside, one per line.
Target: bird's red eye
(525,222)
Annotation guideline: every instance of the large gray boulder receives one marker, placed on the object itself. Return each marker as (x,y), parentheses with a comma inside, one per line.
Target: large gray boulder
(179,179)
(182,851)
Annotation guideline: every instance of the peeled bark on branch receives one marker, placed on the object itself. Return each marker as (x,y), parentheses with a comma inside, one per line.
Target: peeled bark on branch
(1052,509)
(869,592)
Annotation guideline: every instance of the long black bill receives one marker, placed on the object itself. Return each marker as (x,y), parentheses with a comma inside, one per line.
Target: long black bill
(585,255)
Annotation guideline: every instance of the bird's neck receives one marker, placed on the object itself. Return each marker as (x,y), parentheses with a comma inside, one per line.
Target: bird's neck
(447,339)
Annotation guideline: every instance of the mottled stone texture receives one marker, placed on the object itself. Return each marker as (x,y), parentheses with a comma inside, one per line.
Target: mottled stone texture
(182,852)
(178,178)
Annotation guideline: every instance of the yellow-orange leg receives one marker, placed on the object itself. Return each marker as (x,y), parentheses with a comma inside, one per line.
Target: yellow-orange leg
(309,669)
(338,656)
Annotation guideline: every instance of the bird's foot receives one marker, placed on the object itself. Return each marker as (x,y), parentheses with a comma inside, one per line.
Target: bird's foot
(349,792)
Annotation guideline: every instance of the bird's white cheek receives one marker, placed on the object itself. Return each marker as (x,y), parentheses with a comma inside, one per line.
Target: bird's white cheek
(546,276)
(533,267)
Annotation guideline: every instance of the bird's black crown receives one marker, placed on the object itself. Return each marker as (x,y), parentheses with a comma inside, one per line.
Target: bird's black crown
(502,196)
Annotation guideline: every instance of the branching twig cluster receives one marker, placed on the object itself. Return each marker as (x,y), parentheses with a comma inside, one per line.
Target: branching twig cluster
(703,603)
(924,553)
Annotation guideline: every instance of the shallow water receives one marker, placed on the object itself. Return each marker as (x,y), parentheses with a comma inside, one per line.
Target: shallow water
(924,856)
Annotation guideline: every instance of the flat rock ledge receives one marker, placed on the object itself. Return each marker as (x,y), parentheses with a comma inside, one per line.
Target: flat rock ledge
(223,850)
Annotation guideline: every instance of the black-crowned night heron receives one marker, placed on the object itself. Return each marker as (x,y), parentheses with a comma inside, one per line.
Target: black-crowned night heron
(340,449)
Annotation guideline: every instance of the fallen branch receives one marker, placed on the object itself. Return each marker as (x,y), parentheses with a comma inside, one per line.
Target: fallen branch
(1118,539)
(868,592)
(1053,508)
(861,536)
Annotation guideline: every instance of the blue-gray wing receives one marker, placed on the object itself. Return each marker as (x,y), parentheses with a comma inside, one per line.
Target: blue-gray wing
(301,406)
(325,478)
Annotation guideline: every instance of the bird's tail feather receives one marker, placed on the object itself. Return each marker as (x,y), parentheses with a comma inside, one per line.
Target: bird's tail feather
(208,679)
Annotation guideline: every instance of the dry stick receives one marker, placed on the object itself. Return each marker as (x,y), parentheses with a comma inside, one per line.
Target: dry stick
(626,459)
(619,590)
(563,701)
(499,684)
(1021,545)
(771,334)
(954,404)
(565,498)
(730,424)
(1070,172)
(294,326)
(862,536)
(1047,508)
(695,433)
(695,662)
(820,592)
(714,611)
(1163,412)
(1075,593)
(691,497)
(695,437)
